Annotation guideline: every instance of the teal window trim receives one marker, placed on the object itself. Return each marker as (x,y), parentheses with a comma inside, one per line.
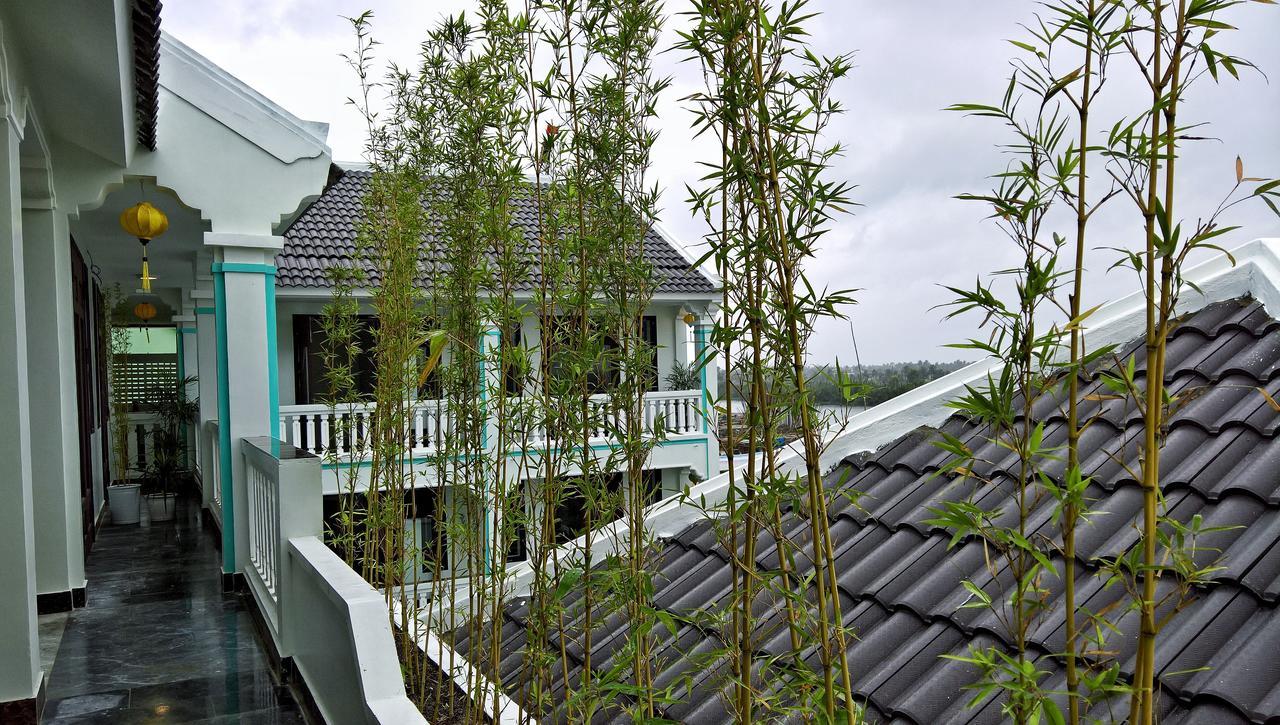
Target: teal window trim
(700,338)
(187,330)
(699,441)
(206,310)
(224,427)
(223,267)
(273,372)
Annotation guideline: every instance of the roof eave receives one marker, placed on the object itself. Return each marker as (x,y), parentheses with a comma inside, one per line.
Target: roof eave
(145,24)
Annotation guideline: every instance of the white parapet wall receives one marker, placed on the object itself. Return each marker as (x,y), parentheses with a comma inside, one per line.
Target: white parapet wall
(342,645)
(318,613)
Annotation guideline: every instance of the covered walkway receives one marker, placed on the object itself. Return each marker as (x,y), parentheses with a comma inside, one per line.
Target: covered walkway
(159,642)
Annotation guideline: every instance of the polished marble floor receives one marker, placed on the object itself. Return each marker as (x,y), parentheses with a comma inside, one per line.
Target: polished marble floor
(159,642)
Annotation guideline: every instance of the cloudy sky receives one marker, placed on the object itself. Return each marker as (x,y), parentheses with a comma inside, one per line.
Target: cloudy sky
(907,157)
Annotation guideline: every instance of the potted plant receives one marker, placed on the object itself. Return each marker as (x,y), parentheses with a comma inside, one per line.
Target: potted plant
(173,409)
(124,495)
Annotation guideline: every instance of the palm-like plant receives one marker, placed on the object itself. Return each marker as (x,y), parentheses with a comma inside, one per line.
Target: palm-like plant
(168,441)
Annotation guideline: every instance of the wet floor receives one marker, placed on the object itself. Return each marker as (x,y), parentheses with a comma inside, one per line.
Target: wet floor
(159,642)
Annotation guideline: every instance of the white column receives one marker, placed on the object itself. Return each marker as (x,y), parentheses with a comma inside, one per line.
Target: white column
(206,370)
(680,335)
(248,396)
(19,648)
(702,355)
(491,383)
(188,367)
(55,450)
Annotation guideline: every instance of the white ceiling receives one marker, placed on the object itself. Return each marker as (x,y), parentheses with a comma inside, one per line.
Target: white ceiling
(118,256)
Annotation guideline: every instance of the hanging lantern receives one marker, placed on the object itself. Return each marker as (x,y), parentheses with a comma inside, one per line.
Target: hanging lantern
(144,311)
(146,223)
(689,318)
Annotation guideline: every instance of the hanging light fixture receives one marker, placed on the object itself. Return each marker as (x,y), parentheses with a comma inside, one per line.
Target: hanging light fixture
(144,311)
(146,223)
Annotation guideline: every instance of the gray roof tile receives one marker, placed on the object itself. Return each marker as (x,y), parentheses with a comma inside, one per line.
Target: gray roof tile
(900,582)
(324,236)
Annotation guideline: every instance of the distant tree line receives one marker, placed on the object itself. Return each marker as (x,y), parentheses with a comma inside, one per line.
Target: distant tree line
(866,384)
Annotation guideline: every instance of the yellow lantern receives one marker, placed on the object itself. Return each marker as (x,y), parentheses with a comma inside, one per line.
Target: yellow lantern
(690,318)
(146,223)
(144,311)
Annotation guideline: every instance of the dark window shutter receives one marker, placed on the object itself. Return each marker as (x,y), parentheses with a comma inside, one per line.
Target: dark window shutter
(649,332)
(302,358)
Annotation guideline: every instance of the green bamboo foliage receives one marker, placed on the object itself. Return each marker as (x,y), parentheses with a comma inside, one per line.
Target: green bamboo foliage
(1058,75)
(1088,25)
(1061,70)
(464,128)
(1024,195)
(553,107)
(1172,45)
(769,199)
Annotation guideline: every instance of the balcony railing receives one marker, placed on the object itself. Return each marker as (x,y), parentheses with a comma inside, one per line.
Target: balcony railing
(343,431)
(211,471)
(282,487)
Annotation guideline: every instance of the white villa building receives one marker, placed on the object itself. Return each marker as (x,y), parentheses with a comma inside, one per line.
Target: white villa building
(256,207)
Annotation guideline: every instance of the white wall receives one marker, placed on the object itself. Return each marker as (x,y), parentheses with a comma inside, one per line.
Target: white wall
(341,639)
(55,454)
(19,652)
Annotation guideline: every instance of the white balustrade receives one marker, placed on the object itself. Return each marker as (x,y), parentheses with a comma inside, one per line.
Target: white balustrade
(344,431)
(675,411)
(211,476)
(284,500)
(264,520)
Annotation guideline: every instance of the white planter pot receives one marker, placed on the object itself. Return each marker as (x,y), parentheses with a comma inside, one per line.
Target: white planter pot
(126,500)
(161,505)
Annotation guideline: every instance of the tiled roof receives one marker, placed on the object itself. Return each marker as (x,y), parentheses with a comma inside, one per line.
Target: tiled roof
(145,19)
(324,235)
(900,584)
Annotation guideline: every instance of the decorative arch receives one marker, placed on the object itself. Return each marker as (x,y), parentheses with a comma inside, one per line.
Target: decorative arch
(36,163)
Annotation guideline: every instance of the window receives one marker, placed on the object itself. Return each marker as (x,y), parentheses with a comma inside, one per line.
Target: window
(309,383)
(513,376)
(518,544)
(651,486)
(571,511)
(649,333)
(561,332)
(427,534)
(431,388)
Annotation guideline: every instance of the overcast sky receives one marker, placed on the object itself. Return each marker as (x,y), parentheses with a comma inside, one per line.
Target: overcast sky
(907,156)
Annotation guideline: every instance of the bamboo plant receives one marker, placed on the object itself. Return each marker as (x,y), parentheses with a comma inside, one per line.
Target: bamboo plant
(1173,44)
(769,200)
